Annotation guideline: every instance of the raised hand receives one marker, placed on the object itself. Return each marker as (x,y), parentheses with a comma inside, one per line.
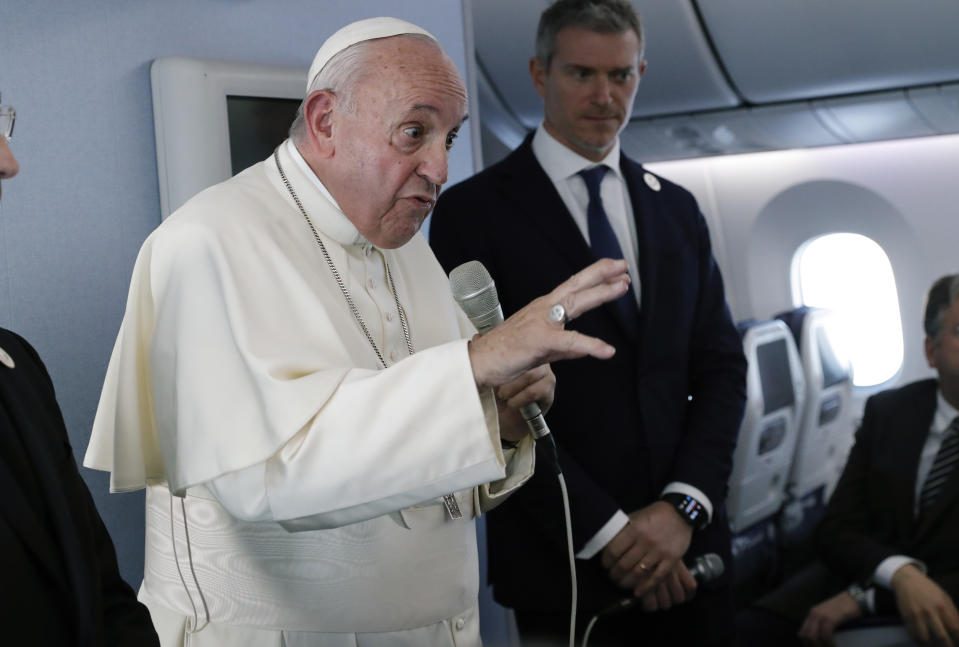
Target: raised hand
(531,337)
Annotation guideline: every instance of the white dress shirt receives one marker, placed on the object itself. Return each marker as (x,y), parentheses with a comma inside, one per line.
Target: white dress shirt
(562,166)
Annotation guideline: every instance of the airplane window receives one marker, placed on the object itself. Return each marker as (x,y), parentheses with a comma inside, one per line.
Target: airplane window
(851,275)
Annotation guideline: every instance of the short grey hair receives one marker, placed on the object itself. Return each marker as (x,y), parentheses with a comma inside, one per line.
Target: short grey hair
(603,16)
(942,295)
(341,75)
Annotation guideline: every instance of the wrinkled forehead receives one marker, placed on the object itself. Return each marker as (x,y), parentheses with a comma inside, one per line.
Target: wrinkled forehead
(411,57)
(406,68)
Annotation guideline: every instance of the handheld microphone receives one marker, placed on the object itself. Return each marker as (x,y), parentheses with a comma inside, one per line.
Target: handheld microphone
(475,292)
(707,568)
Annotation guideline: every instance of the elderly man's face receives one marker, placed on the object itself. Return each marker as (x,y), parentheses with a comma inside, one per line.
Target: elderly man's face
(395,145)
(8,163)
(589,87)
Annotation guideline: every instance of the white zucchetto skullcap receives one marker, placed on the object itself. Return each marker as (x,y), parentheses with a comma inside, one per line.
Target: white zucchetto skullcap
(357,32)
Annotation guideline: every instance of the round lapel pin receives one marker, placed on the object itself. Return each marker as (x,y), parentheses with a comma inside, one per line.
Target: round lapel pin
(652,181)
(6,360)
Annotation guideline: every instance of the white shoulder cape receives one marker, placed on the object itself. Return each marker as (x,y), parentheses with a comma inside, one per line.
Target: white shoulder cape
(236,338)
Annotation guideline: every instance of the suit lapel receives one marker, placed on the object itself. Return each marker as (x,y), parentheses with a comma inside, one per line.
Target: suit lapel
(915,420)
(540,203)
(645,215)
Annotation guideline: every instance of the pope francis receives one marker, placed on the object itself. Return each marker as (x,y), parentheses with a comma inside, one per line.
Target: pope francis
(297,390)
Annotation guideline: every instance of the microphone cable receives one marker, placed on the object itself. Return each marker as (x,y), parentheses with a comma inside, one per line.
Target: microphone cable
(620,605)
(475,292)
(569,540)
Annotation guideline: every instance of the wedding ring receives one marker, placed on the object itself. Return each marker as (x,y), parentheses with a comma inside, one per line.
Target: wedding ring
(643,567)
(557,314)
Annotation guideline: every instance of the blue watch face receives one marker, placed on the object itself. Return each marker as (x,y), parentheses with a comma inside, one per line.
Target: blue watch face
(691,509)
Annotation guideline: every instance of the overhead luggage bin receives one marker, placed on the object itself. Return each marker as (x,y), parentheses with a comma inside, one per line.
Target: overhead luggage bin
(886,115)
(787,51)
(938,106)
(746,130)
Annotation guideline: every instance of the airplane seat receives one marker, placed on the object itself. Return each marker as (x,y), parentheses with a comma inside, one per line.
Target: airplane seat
(825,431)
(775,392)
(874,632)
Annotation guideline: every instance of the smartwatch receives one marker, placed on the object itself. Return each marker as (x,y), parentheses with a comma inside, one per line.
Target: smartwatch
(692,511)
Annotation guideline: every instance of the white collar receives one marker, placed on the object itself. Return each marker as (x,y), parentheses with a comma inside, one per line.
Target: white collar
(561,163)
(945,412)
(340,229)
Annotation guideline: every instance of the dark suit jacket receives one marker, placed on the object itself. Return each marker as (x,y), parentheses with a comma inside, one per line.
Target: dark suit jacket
(626,426)
(870,518)
(61,585)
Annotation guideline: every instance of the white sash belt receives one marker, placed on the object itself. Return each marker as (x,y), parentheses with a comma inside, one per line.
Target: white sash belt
(390,573)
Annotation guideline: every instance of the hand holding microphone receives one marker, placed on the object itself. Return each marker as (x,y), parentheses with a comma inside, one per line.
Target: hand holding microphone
(475,291)
(683,582)
(704,571)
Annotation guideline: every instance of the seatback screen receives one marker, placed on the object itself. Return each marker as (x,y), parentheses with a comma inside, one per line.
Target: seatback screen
(775,375)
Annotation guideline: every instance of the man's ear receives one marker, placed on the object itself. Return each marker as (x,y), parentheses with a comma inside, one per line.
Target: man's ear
(930,348)
(318,114)
(538,73)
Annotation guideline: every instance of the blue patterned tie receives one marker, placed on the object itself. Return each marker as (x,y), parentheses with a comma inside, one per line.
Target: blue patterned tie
(603,241)
(942,467)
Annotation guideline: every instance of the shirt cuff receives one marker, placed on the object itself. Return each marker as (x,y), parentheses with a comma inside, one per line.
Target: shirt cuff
(695,492)
(604,536)
(888,567)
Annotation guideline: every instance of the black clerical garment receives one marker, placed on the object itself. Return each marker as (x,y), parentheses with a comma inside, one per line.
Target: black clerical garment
(60,581)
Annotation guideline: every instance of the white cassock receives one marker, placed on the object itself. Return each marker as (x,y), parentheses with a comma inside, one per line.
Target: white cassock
(312,479)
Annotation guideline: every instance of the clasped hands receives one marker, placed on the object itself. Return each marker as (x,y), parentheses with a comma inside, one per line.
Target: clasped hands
(646,557)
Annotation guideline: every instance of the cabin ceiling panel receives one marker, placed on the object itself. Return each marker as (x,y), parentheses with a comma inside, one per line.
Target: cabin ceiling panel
(887,115)
(682,73)
(505,31)
(749,75)
(939,106)
(785,51)
(726,132)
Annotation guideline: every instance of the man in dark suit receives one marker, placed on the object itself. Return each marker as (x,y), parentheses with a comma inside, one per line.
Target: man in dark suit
(892,524)
(645,438)
(61,584)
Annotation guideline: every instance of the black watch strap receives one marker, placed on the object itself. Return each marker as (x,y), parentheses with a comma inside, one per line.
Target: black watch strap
(691,510)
